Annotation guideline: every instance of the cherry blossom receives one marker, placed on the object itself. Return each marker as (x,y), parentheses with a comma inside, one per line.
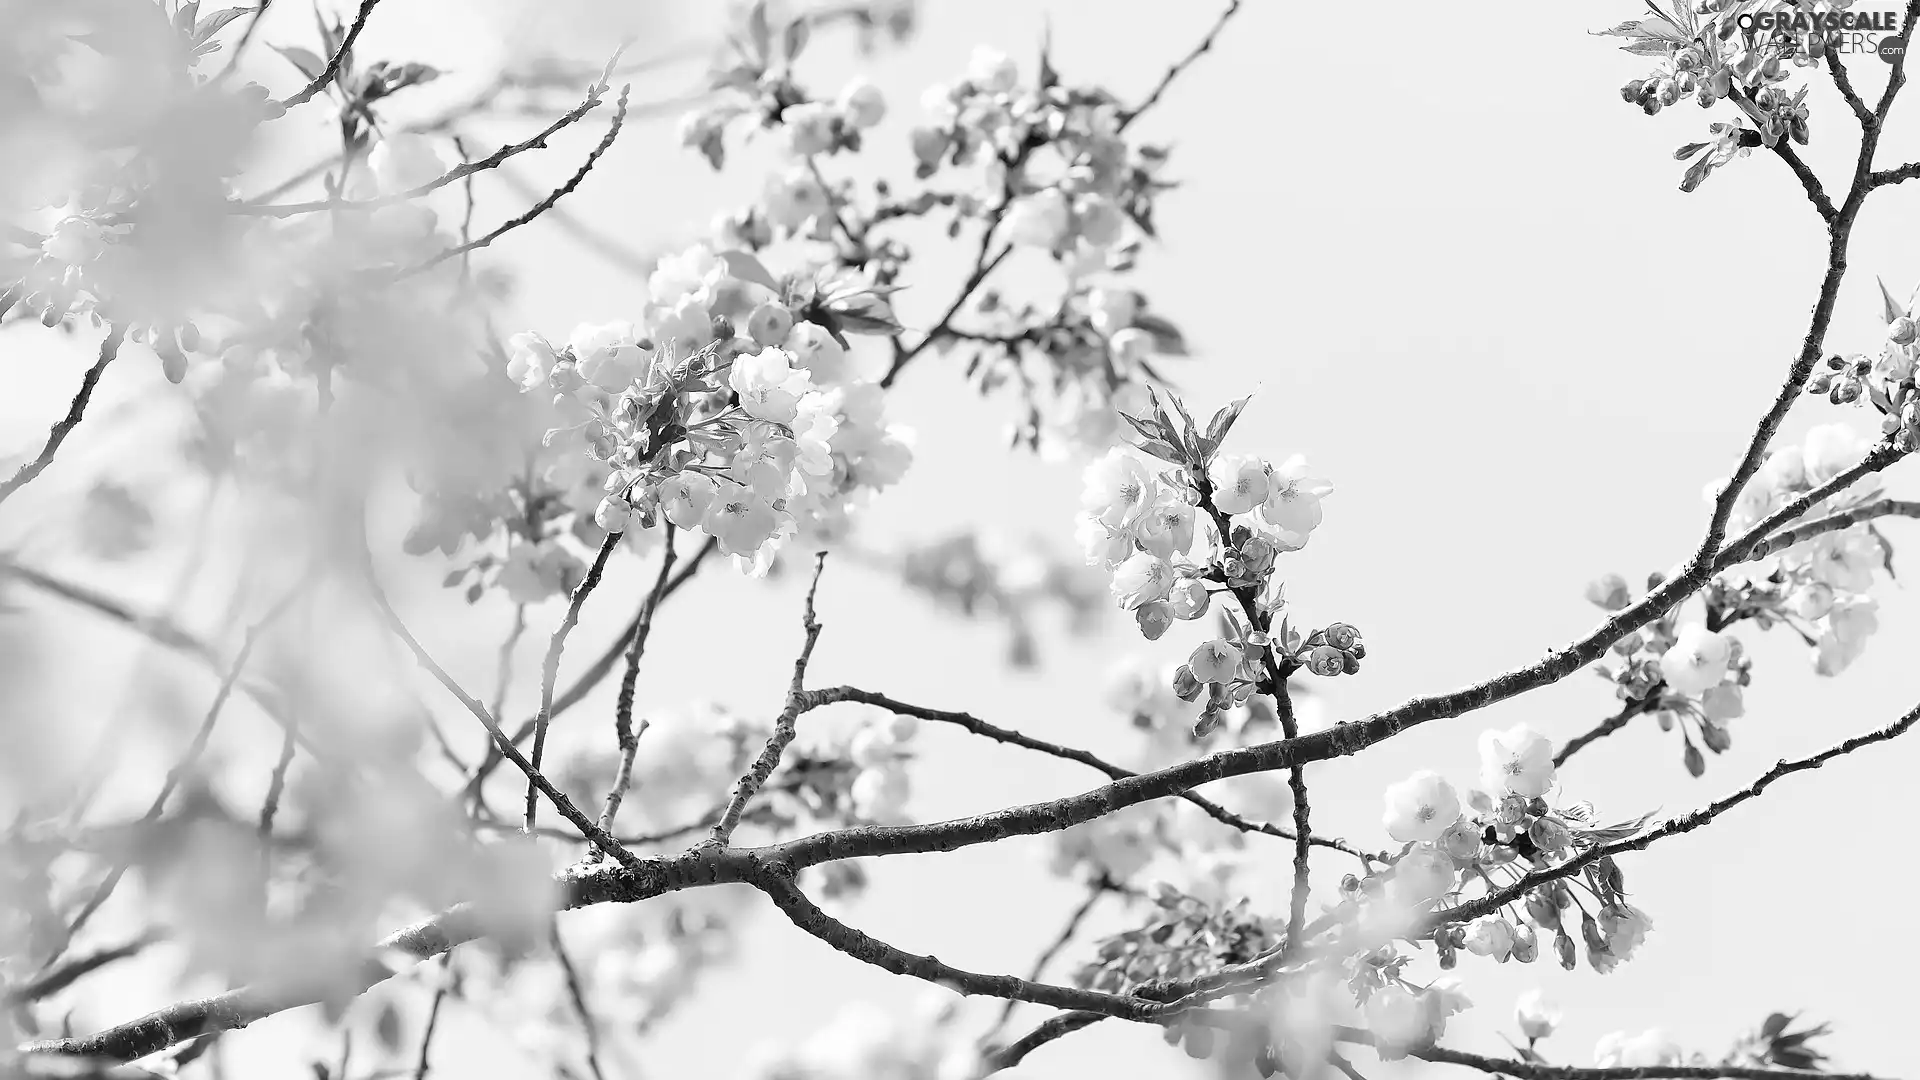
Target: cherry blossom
(1421,807)
(1518,761)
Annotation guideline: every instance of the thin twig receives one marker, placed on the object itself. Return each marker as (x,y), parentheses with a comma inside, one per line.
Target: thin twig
(977,726)
(541,783)
(574,181)
(332,69)
(784,723)
(595,673)
(109,349)
(433,1018)
(625,734)
(1181,65)
(1605,728)
(550,668)
(784,727)
(459,172)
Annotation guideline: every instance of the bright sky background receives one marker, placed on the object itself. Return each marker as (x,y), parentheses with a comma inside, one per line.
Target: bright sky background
(1457,272)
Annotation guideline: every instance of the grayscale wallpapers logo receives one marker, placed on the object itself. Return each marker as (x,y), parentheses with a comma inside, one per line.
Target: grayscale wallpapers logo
(1850,32)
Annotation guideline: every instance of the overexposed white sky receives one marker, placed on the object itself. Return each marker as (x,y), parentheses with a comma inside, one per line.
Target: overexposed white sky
(1457,273)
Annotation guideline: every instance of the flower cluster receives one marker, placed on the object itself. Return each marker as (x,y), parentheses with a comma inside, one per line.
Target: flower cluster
(1503,828)
(756,438)
(1885,381)
(1403,1017)
(1718,51)
(1695,673)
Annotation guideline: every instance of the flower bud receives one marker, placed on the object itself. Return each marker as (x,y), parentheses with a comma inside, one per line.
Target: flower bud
(1185,686)
(1461,840)
(1902,331)
(1526,944)
(1549,834)
(1190,599)
(1342,636)
(1542,910)
(1326,661)
(1513,809)
(1349,664)
(770,323)
(1563,945)
(1154,618)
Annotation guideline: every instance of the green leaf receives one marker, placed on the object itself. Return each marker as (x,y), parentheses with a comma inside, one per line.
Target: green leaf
(1161,450)
(1147,429)
(1223,421)
(795,38)
(759,33)
(1689,150)
(747,268)
(1696,172)
(1890,309)
(866,324)
(302,59)
(1167,339)
(213,23)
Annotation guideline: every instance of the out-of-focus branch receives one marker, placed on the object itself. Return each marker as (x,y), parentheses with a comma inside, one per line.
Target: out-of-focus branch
(188,760)
(52,982)
(109,349)
(559,799)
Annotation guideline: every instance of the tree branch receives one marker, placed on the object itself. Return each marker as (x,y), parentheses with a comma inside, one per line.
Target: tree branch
(109,349)
(541,207)
(626,735)
(970,723)
(550,668)
(784,727)
(328,73)
(1181,65)
(1528,1070)
(1473,909)
(1605,728)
